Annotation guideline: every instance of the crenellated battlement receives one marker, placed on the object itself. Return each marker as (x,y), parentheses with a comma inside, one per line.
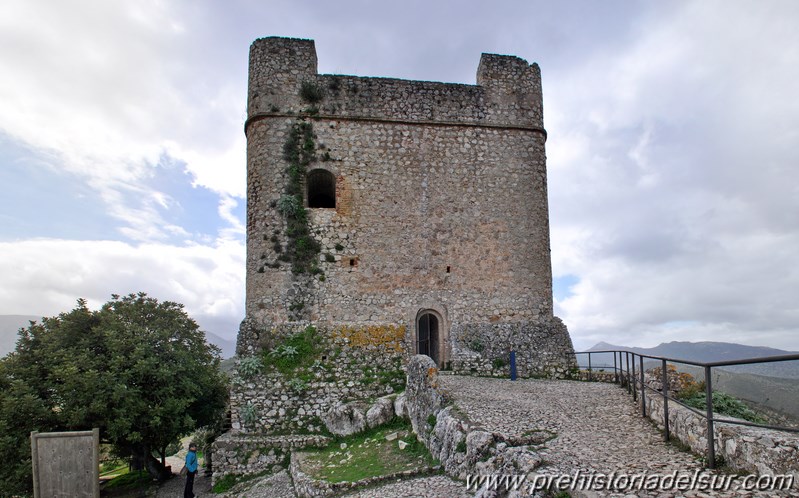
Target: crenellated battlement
(507,94)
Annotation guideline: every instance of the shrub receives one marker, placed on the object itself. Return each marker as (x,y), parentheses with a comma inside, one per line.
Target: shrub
(249,415)
(311,93)
(297,350)
(476,346)
(289,205)
(297,385)
(725,404)
(249,366)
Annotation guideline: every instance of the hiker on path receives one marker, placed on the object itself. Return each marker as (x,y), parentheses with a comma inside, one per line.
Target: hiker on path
(191,471)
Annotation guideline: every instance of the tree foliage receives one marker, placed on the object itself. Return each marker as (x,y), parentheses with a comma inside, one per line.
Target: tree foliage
(139,370)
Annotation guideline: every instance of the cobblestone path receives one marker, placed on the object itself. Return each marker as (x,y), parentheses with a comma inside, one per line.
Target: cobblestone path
(596,428)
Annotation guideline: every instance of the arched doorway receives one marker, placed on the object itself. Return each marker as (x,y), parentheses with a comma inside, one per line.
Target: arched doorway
(427,336)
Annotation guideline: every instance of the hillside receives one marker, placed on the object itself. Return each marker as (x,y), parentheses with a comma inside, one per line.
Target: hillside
(772,386)
(716,351)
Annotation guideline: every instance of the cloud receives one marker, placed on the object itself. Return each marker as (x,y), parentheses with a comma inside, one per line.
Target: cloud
(47,276)
(672,140)
(670,182)
(108,92)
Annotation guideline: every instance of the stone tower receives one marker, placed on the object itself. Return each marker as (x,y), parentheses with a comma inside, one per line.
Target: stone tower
(417,207)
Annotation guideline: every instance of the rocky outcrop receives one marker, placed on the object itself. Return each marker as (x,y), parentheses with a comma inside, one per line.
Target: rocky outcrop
(346,419)
(380,413)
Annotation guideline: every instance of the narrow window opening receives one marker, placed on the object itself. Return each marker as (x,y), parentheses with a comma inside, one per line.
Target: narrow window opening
(352,261)
(321,189)
(448,269)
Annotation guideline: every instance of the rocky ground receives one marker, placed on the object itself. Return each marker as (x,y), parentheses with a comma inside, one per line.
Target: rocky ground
(596,428)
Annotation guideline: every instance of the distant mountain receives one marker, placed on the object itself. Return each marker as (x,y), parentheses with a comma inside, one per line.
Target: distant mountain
(10,325)
(228,347)
(718,351)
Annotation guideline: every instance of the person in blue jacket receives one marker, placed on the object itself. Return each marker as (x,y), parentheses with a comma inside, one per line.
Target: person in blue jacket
(191,471)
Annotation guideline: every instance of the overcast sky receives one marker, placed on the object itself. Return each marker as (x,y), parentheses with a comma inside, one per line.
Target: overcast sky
(672,151)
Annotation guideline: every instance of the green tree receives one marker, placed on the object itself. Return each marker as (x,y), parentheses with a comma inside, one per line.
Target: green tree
(139,370)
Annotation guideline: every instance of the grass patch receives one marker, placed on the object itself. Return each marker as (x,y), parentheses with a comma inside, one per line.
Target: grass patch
(369,454)
(133,480)
(114,467)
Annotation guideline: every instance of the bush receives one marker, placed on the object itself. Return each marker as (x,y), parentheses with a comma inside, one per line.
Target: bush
(725,404)
(249,366)
(311,93)
(297,350)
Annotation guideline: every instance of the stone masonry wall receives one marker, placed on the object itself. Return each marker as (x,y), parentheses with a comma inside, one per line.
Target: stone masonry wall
(348,363)
(508,90)
(542,350)
(248,455)
(436,226)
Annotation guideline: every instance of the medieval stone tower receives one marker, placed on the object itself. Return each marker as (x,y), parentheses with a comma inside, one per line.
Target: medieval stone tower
(410,209)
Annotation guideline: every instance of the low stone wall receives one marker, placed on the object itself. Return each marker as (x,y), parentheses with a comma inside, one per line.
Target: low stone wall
(597,376)
(350,363)
(247,455)
(746,449)
(543,349)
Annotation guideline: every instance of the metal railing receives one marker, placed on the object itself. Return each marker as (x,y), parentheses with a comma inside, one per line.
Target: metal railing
(636,386)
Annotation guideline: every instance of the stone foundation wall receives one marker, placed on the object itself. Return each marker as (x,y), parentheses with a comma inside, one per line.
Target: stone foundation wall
(543,349)
(247,455)
(349,363)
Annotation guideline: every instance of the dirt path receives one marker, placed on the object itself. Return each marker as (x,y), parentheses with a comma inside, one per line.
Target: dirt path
(173,488)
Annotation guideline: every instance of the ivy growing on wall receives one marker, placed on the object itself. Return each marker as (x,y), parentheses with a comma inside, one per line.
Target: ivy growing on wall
(302,249)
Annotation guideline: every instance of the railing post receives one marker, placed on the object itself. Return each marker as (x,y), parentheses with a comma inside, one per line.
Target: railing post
(711,436)
(643,389)
(635,387)
(589,366)
(665,391)
(627,357)
(513,365)
(615,369)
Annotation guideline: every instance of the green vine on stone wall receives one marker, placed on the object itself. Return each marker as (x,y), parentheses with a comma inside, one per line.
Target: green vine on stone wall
(302,249)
